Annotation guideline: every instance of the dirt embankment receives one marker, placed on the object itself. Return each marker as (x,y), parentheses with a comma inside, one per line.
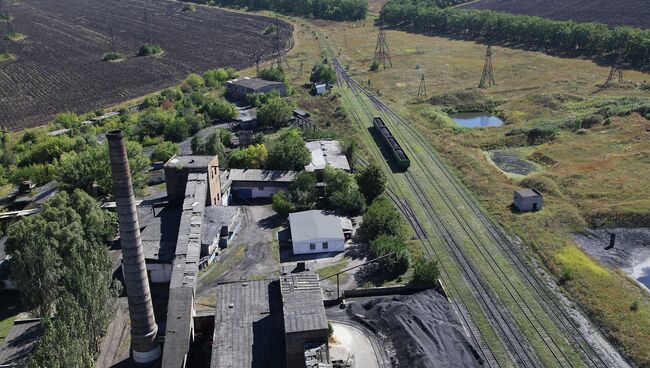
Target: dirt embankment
(419,330)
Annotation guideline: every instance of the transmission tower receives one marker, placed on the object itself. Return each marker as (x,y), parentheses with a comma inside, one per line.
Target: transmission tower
(279,50)
(147,31)
(111,35)
(382,52)
(302,65)
(487,78)
(617,69)
(422,91)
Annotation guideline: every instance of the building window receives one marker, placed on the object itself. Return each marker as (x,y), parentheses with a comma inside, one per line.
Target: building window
(325,245)
(312,246)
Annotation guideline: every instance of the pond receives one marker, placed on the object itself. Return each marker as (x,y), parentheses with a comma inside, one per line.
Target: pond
(476,120)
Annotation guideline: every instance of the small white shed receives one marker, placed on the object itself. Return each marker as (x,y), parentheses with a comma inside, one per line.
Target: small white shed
(320,88)
(316,232)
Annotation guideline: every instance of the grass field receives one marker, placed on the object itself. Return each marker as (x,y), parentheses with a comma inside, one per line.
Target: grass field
(596,176)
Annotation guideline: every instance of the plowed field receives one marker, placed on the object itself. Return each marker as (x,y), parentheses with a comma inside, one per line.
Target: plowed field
(58,66)
(634,13)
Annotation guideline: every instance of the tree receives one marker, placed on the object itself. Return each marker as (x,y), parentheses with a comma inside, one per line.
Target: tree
(211,146)
(386,244)
(252,157)
(193,82)
(216,77)
(383,218)
(371,181)
(342,191)
(303,191)
(164,151)
(149,49)
(323,73)
(282,205)
(219,109)
(288,153)
(67,120)
(276,112)
(426,272)
(273,74)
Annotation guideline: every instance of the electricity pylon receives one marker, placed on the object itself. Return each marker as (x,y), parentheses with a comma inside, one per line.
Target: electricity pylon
(422,91)
(382,52)
(487,78)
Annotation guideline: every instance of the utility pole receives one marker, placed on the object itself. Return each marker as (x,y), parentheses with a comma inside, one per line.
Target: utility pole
(487,78)
(278,46)
(617,69)
(382,52)
(422,91)
(302,65)
(147,31)
(111,35)
(345,39)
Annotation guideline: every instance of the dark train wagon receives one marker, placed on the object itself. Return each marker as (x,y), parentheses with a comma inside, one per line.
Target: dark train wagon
(396,150)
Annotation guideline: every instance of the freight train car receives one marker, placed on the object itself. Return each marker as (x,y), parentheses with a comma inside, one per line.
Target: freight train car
(396,150)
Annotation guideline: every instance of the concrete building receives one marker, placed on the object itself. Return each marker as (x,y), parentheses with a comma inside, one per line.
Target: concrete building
(159,232)
(326,152)
(242,87)
(248,325)
(20,342)
(255,184)
(316,231)
(179,328)
(305,323)
(178,168)
(220,226)
(527,200)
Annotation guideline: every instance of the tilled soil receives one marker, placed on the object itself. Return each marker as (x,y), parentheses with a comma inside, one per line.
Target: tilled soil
(58,66)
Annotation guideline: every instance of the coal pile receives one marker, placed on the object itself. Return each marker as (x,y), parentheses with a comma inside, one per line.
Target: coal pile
(418,331)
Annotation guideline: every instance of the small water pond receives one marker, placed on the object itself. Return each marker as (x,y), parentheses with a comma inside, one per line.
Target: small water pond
(476,120)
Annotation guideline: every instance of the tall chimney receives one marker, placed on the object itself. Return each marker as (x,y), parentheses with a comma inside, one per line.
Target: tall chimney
(143,322)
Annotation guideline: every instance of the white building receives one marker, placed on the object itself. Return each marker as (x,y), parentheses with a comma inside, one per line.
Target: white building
(316,232)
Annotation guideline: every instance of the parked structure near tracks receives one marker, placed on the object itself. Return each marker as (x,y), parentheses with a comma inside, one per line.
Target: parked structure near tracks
(528,200)
(242,87)
(395,149)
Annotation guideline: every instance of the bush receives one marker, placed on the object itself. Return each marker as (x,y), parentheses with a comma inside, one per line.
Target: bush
(635,306)
(219,109)
(172,93)
(386,244)
(426,272)
(323,73)
(288,152)
(566,275)
(282,205)
(252,157)
(273,74)
(68,120)
(149,49)
(216,77)
(349,201)
(375,65)
(112,56)
(188,8)
(39,174)
(276,112)
(383,218)
(193,82)
(164,151)
(371,181)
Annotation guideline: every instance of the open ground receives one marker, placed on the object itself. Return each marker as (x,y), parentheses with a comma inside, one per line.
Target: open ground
(58,66)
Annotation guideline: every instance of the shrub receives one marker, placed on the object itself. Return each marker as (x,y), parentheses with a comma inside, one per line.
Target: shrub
(375,65)
(276,112)
(323,73)
(188,8)
(149,49)
(386,244)
(252,157)
(193,82)
(216,77)
(426,272)
(164,151)
(282,205)
(349,201)
(635,305)
(371,181)
(383,218)
(67,120)
(273,74)
(219,109)
(566,275)
(172,93)
(112,56)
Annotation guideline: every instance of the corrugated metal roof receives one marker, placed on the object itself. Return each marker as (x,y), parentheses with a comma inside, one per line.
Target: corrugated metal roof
(262,175)
(314,224)
(302,303)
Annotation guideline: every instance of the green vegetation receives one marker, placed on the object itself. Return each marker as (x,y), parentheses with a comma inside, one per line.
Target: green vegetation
(188,8)
(383,218)
(212,145)
(288,152)
(426,272)
(273,74)
(282,204)
(216,77)
(61,267)
(323,9)
(374,66)
(593,39)
(15,37)
(149,49)
(342,192)
(252,157)
(323,73)
(275,112)
(193,82)
(113,56)
(372,181)
(386,244)
(4,56)
(164,151)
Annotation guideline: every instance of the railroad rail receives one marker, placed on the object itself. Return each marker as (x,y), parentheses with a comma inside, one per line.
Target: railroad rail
(542,295)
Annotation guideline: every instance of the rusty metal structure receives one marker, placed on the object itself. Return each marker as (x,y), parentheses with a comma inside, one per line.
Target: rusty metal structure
(143,322)
(487,78)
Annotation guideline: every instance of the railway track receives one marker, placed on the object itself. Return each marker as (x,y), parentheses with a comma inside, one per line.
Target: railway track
(545,298)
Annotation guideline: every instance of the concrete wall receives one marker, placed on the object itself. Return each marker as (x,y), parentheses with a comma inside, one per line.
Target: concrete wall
(295,345)
(334,245)
(256,191)
(159,273)
(176,181)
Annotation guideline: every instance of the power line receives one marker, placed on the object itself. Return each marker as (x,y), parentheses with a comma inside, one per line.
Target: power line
(382,52)
(487,78)
(422,91)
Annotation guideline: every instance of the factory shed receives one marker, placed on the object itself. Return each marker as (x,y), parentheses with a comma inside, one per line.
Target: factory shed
(316,231)
(242,87)
(20,342)
(326,152)
(253,184)
(305,322)
(248,325)
(527,200)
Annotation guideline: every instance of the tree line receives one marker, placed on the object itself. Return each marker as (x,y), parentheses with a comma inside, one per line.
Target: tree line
(322,9)
(592,39)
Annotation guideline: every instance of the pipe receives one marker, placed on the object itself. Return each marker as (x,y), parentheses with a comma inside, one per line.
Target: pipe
(143,322)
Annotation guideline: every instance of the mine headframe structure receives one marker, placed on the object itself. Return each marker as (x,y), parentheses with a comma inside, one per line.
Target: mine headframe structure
(487,77)
(382,51)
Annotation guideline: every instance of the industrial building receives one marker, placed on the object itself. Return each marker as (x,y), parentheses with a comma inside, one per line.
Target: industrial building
(527,200)
(326,152)
(251,184)
(242,87)
(159,232)
(305,323)
(179,167)
(316,231)
(20,341)
(220,226)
